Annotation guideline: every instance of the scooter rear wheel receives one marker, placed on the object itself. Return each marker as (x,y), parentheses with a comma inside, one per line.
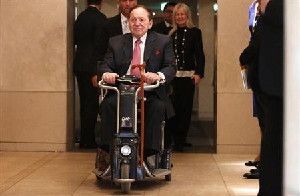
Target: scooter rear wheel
(125,187)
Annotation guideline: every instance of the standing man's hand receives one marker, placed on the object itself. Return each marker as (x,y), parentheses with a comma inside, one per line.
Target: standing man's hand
(263,5)
(94,81)
(196,79)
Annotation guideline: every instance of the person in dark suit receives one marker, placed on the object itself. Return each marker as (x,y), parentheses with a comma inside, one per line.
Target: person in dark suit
(91,42)
(157,52)
(118,24)
(165,26)
(270,77)
(188,49)
(249,61)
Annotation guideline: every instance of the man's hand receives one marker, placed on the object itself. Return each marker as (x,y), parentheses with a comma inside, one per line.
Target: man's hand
(151,77)
(109,77)
(263,5)
(243,66)
(196,79)
(94,81)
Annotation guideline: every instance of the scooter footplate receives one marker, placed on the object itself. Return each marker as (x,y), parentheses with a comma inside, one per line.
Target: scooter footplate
(161,172)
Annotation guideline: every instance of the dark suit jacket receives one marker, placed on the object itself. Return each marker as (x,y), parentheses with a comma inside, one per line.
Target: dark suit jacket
(161,28)
(158,55)
(249,57)
(114,26)
(270,68)
(90,39)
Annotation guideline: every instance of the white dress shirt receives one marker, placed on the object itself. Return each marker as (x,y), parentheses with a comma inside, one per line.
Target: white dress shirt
(125,24)
(142,47)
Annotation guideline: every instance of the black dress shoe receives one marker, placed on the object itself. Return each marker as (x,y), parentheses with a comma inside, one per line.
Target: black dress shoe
(88,146)
(187,144)
(254,175)
(178,148)
(252,163)
(102,160)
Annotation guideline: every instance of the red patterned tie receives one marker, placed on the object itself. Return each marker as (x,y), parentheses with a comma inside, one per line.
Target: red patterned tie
(136,58)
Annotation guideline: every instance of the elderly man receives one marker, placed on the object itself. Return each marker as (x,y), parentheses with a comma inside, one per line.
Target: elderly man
(157,52)
(118,24)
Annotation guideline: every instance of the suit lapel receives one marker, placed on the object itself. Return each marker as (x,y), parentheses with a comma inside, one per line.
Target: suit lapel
(127,51)
(149,45)
(119,30)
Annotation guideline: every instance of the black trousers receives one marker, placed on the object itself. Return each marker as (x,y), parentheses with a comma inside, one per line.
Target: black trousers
(271,169)
(89,107)
(155,111)
(182,98)
(259,112)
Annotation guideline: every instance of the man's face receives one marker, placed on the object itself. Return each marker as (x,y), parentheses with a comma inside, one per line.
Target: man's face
(139,22)
(168,14)
(126,5)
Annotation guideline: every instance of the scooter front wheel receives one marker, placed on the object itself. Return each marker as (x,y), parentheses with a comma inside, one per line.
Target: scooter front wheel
(168,177)
(125,186)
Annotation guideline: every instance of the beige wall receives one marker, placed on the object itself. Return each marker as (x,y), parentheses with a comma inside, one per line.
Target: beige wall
(36,76)
(291,96)
(109,8)
(237,130)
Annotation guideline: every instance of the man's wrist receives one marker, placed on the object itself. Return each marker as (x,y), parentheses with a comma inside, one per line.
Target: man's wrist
(162,77)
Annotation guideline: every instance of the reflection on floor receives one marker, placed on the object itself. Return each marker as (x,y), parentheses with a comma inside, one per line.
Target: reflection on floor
(201,135)
(42,173)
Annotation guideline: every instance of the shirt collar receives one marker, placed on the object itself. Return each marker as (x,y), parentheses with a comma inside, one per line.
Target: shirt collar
(167,24)
(143,38)
(123,18)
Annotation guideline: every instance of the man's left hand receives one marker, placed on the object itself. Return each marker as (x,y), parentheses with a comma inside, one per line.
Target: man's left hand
(94,81)
(196,79)
(151,77)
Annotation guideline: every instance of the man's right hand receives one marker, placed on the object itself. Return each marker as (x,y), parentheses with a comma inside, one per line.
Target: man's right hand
(109,77)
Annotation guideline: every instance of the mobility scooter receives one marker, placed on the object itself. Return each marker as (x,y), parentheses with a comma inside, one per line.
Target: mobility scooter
(128,162)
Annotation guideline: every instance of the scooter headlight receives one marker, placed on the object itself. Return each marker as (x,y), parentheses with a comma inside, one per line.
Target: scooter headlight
(125,150)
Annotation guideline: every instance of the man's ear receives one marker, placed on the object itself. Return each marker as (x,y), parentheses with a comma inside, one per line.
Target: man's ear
(150,24)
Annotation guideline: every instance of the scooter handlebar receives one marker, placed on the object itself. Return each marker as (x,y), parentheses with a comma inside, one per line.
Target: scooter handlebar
(107,86)
(151,86)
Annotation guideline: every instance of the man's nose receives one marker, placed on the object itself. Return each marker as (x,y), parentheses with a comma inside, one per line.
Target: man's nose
(136,23)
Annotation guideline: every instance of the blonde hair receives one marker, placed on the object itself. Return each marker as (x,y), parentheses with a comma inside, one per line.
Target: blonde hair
(188,12)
